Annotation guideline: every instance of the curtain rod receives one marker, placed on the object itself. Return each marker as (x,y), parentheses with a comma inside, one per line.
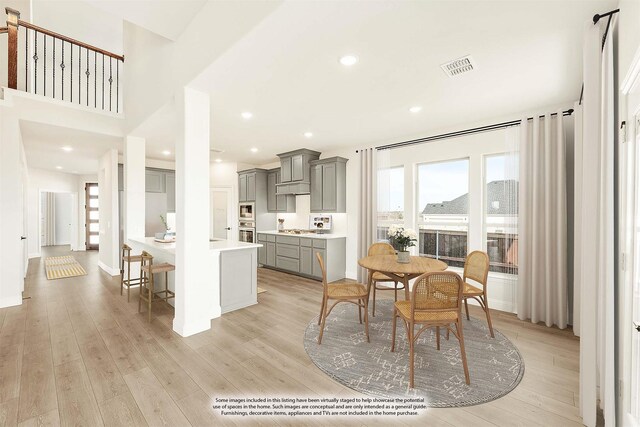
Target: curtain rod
(596,18)
(463,132)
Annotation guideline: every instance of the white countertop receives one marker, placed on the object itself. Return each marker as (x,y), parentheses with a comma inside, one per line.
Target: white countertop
(324,236)
(220,245)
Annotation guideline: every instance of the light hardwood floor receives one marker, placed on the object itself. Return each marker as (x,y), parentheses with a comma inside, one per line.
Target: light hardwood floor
(76,353)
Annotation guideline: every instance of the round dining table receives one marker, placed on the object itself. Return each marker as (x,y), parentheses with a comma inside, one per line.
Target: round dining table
(402,272)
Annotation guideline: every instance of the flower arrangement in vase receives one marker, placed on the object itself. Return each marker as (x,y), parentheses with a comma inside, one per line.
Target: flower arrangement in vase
(402,239)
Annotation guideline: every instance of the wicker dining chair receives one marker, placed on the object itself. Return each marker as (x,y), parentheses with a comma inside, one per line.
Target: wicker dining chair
(476,268)
(383,248)
(436,302)
(354,293)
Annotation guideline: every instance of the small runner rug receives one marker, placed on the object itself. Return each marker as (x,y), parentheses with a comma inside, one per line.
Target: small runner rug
(495,364)
(60,267)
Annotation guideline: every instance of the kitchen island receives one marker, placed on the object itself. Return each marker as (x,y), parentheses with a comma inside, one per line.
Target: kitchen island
(233,269)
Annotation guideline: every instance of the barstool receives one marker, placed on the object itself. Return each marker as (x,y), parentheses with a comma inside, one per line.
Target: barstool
(128,282)
(147,292)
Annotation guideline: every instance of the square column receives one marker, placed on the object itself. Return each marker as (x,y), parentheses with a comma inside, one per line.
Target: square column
(134,187)
(197,298)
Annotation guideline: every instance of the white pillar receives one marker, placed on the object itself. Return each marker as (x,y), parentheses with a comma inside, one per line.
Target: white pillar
(197,298)
(134,187)
(109,223)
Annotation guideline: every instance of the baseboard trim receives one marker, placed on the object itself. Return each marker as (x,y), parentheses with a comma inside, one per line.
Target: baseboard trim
(108,270)
(191,328)
(11,301)
(35,255)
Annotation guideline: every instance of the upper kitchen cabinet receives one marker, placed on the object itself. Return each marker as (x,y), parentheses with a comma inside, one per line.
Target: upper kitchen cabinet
(155,181)
(329,185)
(171,192)
(278,202)
(248,183)
(294,171)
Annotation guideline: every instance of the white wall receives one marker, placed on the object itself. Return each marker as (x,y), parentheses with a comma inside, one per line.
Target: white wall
(63,208)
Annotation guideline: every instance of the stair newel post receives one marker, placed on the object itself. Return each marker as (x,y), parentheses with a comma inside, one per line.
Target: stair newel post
(12,51)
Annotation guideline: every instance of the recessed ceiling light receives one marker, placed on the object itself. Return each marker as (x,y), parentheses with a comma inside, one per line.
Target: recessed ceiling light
(247,115)
(254,150)
(348,60)
(415,109)
(58,167)
(67,148)
(166,152)
(308,134)
(218,160)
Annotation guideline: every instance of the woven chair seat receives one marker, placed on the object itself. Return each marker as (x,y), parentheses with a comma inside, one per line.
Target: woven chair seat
(471,290)
(347,290)
(404,309)
(132,258)
(159,268)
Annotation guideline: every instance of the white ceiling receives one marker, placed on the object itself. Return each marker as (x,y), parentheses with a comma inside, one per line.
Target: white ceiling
(167,18)
(43,148)
(286,72)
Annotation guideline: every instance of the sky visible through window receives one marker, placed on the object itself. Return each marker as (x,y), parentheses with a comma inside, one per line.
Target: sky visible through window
(442,182)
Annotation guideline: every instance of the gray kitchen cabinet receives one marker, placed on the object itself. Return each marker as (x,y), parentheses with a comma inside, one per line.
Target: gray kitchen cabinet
(306,261)
(171,192)
(297,255)
(297,167)
(251,187)
(278,202)
(329,185)
(242,187)
(285,166)
(154,181)
(294,166)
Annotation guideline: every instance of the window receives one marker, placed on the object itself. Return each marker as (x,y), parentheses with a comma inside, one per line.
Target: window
(443,210)
(501,212)
(390,199)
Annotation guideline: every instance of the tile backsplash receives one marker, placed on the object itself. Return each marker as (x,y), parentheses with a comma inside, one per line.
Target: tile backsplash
(300,219)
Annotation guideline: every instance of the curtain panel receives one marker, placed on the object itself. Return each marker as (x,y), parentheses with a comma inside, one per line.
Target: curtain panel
(542,273)
(367,214)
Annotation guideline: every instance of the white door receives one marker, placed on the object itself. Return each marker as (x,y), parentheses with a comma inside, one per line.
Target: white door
(220,213)
(633,325)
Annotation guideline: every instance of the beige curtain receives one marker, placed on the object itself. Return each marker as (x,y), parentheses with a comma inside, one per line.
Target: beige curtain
(367,216)
(48,219)
(542,274)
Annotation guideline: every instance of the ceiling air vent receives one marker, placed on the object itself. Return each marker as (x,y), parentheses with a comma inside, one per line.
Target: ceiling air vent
(458,66)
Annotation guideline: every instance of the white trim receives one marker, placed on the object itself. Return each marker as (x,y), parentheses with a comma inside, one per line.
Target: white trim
(191,328)
(108,270)
(632,78)
(35,255)
(10,301)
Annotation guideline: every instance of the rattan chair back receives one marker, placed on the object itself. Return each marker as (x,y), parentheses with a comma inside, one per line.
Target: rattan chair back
(476,267)
(437,291)
(381,248)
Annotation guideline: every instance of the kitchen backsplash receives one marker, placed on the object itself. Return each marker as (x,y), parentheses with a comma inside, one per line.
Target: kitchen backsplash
(300,219)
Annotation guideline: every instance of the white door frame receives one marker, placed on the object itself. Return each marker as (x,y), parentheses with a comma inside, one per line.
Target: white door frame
(629,178)
(74,217)
(232,234)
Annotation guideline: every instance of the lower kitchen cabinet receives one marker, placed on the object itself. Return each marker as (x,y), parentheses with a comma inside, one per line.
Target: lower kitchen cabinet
(297,255)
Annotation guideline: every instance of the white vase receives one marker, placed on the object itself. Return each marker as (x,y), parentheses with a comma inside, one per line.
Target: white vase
(404,257)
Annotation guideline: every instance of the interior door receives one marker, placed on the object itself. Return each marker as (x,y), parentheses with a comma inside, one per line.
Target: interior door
(633,176)
(220,213)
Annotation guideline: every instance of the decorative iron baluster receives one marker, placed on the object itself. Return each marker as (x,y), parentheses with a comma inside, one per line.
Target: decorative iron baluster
(95,79)
(87,73)
(103,81)
(62,66)
(35,64)
(110,81)
(53,64)
(26,60)
(71,74)
(117,85)
(44,74)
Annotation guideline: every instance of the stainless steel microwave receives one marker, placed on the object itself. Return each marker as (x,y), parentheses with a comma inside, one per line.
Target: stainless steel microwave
(247,212)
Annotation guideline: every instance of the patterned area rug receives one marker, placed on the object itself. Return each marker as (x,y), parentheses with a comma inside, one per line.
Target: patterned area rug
(61,267)
(495,365)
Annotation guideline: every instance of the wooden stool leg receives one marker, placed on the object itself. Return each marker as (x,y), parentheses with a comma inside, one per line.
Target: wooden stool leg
(150,295)
(141,290)
(128,281)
